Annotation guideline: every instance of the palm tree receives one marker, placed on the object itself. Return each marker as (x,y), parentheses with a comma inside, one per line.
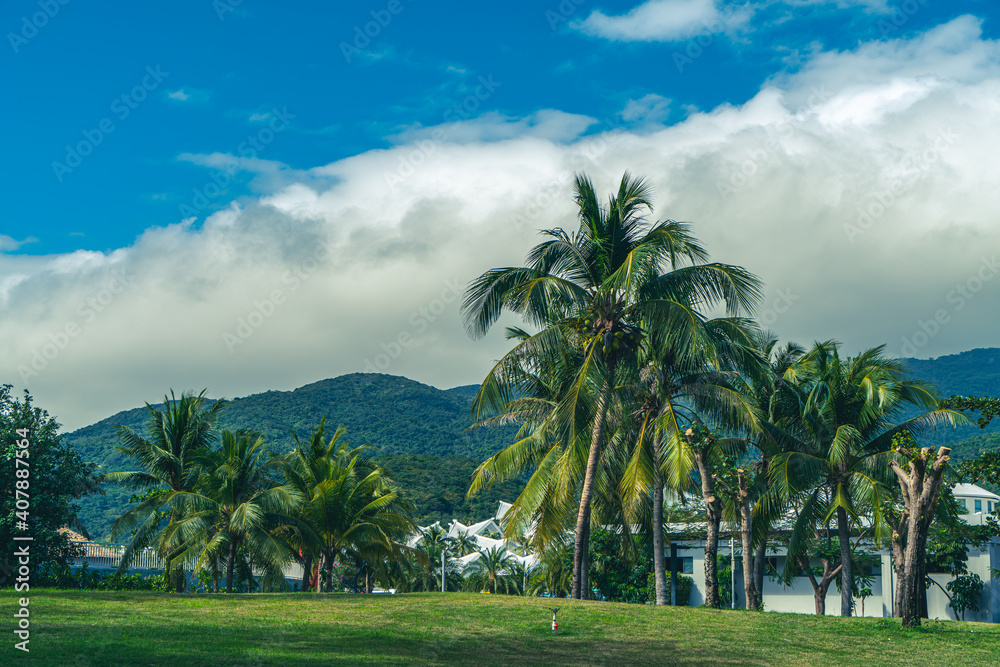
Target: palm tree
(492,572)
(431,549)
(600,291)
(680,384)
(351,507)
(554,573)
(465,543)
(299,468)
(835,458)
(168,459)
(237,506)
(755,505)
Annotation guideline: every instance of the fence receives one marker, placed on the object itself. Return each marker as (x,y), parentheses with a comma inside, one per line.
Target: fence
(109,556)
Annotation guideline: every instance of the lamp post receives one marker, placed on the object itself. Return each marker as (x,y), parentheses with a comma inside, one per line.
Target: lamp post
(443,552)
(732,572)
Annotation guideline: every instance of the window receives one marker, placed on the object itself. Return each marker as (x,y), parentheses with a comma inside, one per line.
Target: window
(965,504)
(685,565)
(979,506)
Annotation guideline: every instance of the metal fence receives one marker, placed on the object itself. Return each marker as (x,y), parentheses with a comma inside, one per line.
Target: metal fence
(109,556)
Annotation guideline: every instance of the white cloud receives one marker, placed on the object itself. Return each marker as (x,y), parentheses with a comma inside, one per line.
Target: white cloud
(549,124)
(179,95)
(650,108)
(902,132)
(664,21)
(8,243)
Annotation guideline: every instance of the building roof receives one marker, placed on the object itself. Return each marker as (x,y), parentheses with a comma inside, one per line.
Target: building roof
(973,491)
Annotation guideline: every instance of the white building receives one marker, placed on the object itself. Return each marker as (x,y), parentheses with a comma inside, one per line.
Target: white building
(798,597)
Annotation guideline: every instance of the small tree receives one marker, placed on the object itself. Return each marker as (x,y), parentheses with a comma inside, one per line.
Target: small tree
(919,472)
(966,593)
(57,477)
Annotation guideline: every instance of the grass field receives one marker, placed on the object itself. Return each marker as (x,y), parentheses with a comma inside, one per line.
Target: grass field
(91,629)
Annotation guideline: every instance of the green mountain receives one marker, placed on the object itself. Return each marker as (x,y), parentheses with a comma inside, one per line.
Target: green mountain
(422,432)
(972,373)
(414,427)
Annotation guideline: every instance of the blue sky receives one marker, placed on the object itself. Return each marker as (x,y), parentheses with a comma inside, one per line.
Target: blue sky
(225,65)
(203,149)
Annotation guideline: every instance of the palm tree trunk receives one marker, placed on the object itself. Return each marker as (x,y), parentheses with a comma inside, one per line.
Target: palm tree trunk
(659,564)
(844,535)
(307,573)
(713,506)
(746,537)
(759,562)
(328,573)
(230,564)
(586,494)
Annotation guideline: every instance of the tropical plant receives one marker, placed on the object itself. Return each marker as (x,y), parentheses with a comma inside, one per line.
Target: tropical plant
(168,459)
(597,293)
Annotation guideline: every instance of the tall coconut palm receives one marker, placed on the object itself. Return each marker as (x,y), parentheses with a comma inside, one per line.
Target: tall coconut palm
(237,506)
(168,457)
(599,290)
(835,458)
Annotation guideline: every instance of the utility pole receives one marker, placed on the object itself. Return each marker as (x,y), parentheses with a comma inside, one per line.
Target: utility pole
(442,569)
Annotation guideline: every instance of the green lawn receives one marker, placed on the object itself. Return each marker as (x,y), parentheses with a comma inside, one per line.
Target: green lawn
(90,629)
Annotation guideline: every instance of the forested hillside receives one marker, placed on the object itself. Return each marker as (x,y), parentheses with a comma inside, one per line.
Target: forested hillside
(396,415)
(422,432)
(972,373)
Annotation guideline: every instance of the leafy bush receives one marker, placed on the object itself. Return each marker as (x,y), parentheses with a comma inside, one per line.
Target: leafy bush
(684,585)
(55,575)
